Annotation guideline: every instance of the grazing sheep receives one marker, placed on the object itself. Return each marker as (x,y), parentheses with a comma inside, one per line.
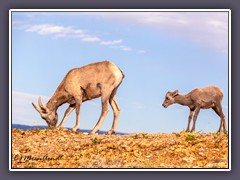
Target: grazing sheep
(200,98)
(100,79)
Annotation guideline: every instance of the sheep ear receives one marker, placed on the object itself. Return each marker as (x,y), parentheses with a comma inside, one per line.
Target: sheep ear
(175,93)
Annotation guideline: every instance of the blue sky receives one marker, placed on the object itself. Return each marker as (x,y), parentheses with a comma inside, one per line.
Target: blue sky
(157,51)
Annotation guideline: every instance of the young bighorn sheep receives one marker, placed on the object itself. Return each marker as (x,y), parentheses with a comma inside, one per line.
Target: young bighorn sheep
(100,79)
(200,98)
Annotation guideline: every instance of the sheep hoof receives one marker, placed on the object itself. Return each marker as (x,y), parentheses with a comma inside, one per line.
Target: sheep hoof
(110,132)
(91,132)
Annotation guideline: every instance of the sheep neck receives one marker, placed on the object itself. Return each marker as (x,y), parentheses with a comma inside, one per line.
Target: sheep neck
(183,100)
(58,98)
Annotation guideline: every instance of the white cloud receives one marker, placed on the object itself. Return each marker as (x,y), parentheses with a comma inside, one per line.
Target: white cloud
(26,97)
(125,48)
(121,47)
(45,29)
(90,39)
(22,109)
(57,31)
(20,25)
(208,29)
(111,42)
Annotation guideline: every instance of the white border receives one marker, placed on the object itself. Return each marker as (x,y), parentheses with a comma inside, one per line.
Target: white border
(10,90)
(119,10)
(229,89)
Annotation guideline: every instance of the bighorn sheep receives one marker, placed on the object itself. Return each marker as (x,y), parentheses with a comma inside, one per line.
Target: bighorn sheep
(100,79)
(200,98)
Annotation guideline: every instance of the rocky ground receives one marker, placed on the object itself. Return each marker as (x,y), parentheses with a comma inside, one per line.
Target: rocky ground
(66,149)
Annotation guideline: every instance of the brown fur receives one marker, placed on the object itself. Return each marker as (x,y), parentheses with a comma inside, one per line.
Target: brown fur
(100,79)
(200,98)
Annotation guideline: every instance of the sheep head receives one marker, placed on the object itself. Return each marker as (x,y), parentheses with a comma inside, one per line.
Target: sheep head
(51,117)
(169,98)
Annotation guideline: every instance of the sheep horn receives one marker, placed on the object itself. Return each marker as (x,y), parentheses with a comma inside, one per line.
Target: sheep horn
(40,103)
(36,107)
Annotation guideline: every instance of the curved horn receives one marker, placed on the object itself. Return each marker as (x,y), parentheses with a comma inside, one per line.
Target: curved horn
(36,107)
(40,103)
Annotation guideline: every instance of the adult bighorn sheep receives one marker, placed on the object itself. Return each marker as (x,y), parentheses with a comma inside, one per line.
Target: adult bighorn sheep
(200,98)
(100,79)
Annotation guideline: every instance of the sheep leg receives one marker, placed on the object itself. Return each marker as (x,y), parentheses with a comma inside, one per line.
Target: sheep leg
(224,123)
(78,108)
(116,111)
(105,100)
(189,119)
(195,118)
(218,110)
(66,114)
